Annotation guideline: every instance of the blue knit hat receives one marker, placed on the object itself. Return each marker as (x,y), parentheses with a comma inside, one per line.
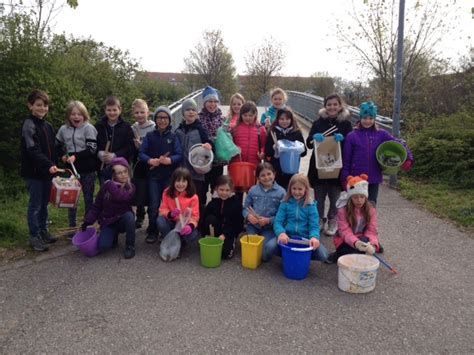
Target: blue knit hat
(367,109)
(210,93)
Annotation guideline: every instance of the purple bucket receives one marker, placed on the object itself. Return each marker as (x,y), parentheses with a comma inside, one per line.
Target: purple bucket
(87,241)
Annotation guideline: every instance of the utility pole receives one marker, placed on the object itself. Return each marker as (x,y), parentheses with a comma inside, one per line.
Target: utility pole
(398,80)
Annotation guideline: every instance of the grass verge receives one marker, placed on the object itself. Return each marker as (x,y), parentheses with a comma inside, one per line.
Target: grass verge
(442,200)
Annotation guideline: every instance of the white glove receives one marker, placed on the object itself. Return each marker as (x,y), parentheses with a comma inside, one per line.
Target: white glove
(370,249)
(361,246)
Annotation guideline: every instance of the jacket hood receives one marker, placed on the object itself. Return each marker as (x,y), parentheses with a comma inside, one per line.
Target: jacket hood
(344,115)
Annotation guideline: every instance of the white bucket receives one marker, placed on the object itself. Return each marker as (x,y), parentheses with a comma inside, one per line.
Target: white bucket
(357,273)
(200,159)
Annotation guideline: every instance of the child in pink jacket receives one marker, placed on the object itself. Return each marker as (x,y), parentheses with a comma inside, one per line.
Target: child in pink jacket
(356,220)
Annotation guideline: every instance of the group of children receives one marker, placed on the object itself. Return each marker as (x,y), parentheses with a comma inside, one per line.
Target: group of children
(147,164)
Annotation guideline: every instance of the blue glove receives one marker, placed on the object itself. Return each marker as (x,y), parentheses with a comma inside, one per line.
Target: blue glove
(318,137)
(338,137)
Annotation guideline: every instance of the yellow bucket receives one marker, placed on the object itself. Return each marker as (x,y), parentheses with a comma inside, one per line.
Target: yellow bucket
(252,247)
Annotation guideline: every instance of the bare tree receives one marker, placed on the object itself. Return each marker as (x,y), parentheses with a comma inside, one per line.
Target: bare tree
(373,36)
(264,62)
(211,63)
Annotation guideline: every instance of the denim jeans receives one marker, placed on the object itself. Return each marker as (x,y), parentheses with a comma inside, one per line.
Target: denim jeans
(39,191)
(155,191)
(373,193)
(165,226)
(270,245)
(109,234)
(332,192)
(88,185)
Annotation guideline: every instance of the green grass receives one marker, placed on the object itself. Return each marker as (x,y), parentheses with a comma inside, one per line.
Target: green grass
(442,200)
(14,226)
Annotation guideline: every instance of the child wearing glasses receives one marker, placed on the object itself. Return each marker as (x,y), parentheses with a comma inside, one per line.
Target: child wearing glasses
(360,147)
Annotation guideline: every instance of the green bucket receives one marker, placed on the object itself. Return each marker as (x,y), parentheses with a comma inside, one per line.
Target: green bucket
(391,149)
(211,251)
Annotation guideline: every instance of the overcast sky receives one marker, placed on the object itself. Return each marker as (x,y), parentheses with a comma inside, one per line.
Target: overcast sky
(160,34)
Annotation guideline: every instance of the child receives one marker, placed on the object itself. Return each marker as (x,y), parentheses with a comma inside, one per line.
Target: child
(250,137)
(76,142)
(235,104)
(261,206)
(211,119)
(38,164)
(224,213)
(298,217)
(360,147)
(113,209)
(191,132)
(278,98)
(285,126)
(333,115)
(161,152)
(114,138)
(140,128)
(177,198)
(357,221)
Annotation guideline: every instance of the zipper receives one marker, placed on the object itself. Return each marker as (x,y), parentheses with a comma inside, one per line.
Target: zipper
(297,217)
(73,141)
(47,141)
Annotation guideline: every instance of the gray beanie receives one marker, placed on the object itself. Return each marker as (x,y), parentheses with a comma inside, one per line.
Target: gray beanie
(187,104)
(164,109)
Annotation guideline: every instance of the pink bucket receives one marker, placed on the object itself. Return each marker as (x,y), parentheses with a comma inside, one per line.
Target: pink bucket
(87,241)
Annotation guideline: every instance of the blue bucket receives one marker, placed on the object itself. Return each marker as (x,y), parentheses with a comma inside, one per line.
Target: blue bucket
(296,260)
(290,154)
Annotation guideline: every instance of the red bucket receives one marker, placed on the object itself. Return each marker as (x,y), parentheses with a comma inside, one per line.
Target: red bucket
(243,175)
(65,192)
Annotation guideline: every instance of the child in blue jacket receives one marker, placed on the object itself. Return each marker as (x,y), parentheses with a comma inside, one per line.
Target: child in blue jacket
(298,217)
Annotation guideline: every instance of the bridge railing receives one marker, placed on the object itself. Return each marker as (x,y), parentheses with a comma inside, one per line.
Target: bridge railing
(307,106)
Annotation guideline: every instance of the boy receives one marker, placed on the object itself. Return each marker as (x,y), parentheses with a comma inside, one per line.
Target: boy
(38,164)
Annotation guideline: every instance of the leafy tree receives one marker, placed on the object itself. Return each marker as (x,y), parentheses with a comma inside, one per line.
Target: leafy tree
(263,63)
(212,61)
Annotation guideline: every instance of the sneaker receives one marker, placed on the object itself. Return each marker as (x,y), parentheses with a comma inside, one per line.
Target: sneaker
(151,238)
(129,252)
(37,244)
(47,237)
(332,227)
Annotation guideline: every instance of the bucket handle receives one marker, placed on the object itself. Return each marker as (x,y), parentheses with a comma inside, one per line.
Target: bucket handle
(195,145)
(302,249)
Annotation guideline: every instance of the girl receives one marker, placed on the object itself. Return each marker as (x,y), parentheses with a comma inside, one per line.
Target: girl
(298,217)
(114,138)
(224,213)
(357,221)
(236,102)
(278,98)
(140,128)
(179,196)
(250,137)
(360,147)
(333,115)
(211,119)
(189,133)
(161,152)
(113,209)
(261,206)
(284,127)
(76,143)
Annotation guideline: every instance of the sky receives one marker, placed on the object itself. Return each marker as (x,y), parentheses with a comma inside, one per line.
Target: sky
(160,34)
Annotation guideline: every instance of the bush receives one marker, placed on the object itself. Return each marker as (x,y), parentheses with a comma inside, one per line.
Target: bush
(444,151)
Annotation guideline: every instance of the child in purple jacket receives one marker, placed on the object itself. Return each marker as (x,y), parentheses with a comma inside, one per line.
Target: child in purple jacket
(113,209)
(360,148)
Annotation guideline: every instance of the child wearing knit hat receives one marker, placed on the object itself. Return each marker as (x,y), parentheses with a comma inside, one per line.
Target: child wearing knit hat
(113,209)
(356,220)
(211,118)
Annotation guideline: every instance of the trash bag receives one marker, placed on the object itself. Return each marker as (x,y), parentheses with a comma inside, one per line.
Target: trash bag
(225,146)
(171,244)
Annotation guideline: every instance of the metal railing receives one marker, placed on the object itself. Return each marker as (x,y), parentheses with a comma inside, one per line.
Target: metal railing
(307,106)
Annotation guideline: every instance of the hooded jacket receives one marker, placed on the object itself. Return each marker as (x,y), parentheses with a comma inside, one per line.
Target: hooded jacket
(348,235)
(120,137)
(321,125)
(229,213)
(359,153)
(295,219)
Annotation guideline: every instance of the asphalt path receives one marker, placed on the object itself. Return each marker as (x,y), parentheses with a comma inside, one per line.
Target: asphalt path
(64,302)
